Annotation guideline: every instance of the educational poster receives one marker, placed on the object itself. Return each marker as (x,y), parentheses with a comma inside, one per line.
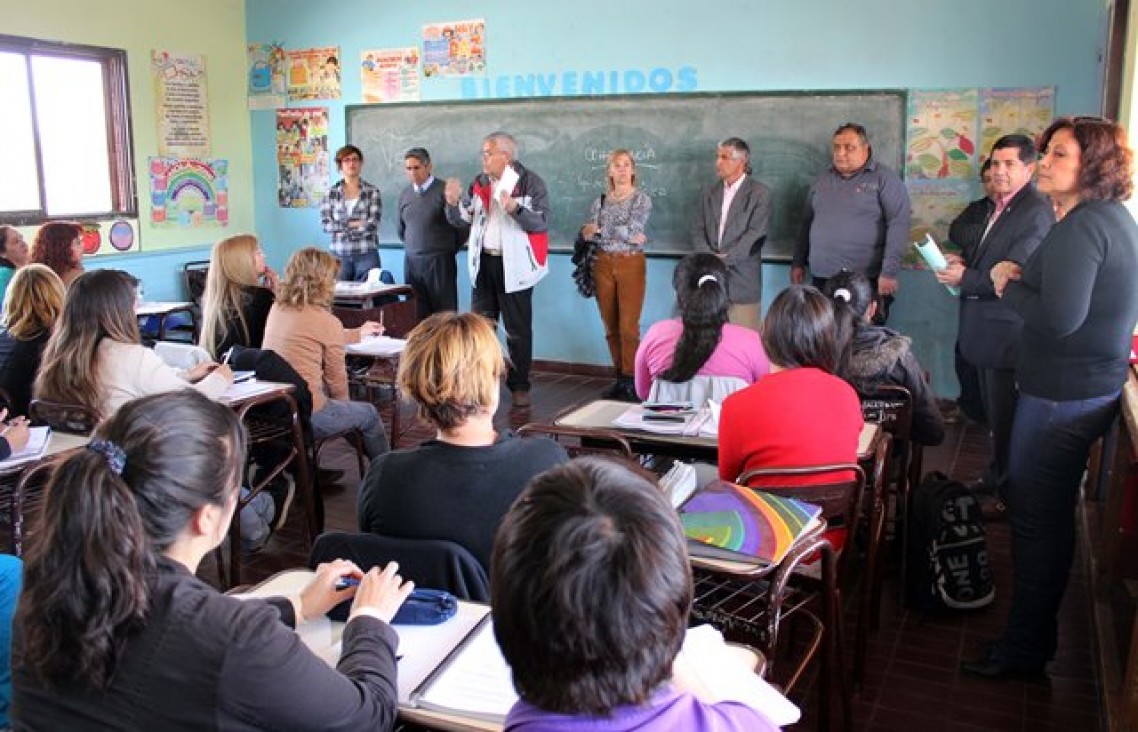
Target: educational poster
(1009,111)
(267,68)
(942,134)
(313,73)
(189,193)
(935,204)
(454,49)
(114,236)
(180,98)
(390,75)
(302,156)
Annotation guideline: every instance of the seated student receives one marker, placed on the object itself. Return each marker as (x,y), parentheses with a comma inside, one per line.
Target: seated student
(801,414)
(13,255)
(457,486)
(590,591)
(113,629)
(701,341)
(875,355)
(303,330)
(58,245)
(14,434)
(31,308)
(236,305)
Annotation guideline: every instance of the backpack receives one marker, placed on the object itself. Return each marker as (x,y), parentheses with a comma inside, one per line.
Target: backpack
(947,555)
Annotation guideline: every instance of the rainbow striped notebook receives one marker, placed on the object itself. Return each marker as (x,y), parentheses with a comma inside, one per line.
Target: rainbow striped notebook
(724,520)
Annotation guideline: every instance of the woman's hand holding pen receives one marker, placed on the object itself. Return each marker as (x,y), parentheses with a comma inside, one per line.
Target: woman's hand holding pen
(323,593)
(372,328)
(15,431)
(380,594)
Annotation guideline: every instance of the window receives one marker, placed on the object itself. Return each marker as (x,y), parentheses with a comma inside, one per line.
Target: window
(67,148)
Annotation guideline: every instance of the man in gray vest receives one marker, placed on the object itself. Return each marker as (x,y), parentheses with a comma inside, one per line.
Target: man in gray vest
(429,241)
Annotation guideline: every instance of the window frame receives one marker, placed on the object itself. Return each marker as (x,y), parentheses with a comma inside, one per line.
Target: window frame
(119,124)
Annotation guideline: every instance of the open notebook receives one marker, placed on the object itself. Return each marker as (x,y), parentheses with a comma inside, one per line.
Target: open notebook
(38,439)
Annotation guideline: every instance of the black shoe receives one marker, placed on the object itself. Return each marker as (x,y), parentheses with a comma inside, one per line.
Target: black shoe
(283,490)
(628,391)
(992,665)
(615,391)
(329,476)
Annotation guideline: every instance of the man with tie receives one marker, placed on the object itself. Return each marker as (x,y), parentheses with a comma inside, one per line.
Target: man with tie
(731,222)
(990,330)
(429,241)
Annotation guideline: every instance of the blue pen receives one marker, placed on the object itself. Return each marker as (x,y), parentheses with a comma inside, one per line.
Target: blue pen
(345,582)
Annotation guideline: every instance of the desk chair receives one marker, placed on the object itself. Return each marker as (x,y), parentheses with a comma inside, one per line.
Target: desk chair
(580,440)
(71,418)
(193,277)
(26,503)
(697,390)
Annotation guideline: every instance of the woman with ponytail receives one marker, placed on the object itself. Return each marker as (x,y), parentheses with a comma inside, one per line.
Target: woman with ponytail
(700,342)
(873,355)
(114,630)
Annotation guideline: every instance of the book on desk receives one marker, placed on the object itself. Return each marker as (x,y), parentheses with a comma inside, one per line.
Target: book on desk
(38,439)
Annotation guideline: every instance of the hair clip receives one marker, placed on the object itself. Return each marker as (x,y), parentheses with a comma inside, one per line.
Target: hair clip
(705,278)
(112,453)
(842,294)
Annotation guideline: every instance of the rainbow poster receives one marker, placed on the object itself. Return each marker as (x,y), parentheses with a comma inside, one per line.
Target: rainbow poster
(189,192)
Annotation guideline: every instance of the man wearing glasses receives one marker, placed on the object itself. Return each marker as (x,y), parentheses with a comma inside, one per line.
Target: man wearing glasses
(507,210)
(429,241)
(856,217)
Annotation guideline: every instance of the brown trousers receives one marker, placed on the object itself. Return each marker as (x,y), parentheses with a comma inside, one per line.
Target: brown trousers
(620,281)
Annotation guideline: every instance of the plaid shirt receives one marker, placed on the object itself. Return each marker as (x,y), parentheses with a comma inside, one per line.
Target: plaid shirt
(335,219)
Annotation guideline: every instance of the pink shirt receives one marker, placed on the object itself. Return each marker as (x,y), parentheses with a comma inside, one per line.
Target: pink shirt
(739,354)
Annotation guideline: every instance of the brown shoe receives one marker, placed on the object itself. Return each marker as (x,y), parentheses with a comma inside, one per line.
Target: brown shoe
(520,398)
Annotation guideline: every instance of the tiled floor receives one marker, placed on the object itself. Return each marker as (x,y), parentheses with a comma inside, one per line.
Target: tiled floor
(912,682)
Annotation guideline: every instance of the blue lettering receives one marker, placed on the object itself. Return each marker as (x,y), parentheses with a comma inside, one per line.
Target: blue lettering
(569,83)
(469,88)
(502,86)
(593,82)
(660,80)
(546,84)
(687,81)
(634,81)
(523,85)
(614,82)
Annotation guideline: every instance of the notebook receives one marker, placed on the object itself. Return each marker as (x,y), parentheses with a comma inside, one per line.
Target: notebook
(38,439)
(728,521)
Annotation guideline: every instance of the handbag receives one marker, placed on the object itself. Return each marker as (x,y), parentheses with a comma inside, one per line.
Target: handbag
(584,255)
(426,607)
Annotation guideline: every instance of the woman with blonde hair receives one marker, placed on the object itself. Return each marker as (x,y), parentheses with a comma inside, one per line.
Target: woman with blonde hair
(32,306)
(238,294)
(616,223)
(460,484)
(59,246)
(303,330)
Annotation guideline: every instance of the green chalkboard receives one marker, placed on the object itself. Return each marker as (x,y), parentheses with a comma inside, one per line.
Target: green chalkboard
(672,136)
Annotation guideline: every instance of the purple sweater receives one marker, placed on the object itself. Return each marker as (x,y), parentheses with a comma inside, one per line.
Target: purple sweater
(668,710)
(739,353)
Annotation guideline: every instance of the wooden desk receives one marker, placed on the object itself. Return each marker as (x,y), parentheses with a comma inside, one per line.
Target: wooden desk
(21,484)
(384,353)
(163,310)
(57,444)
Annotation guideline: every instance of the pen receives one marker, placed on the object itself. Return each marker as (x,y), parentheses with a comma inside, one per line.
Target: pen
(225,358)
(345,582)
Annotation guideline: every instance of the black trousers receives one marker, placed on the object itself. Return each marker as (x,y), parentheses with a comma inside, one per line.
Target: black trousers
(884,304)
(999,393)
(434,278)
(971,401)
(490,298)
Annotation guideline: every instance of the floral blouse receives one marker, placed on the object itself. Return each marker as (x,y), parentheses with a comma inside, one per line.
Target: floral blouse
(617,222)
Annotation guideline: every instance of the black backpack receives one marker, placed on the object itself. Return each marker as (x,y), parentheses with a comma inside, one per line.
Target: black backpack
(948,553)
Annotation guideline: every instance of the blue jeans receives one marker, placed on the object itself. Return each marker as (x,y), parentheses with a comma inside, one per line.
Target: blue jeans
(354,267)
(256,520)
(1049,448)
(338,415)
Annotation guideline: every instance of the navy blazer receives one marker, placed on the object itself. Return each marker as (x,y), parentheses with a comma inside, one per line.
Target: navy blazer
(743,236)
(989,328)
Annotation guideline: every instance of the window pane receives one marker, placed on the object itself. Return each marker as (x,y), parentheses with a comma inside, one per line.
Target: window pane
(72,118)
(19,186)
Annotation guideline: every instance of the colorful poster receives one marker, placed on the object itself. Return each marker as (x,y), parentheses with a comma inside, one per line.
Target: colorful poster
(302,156)
(935,204)
(1010,111)
(267,88)
(188,192)
(181,101)
(942,134)
(314,73)
(454,49)
(112,236)
(390,75)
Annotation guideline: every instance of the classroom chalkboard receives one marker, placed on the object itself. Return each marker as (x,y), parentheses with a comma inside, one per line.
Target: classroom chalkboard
(673,138)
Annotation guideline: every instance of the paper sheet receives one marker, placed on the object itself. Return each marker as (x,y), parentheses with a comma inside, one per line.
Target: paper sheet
(38,438)
(506,183)
(377,346)
(934,257)
(477,682)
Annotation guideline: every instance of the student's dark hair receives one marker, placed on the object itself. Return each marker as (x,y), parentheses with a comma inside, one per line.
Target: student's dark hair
(703,312)
(1106,162)
(853,127)
(799,330)
(347,150)
(87,570)
(1024,144)
(420,154)
(590,588)
(985,166)
(850,294)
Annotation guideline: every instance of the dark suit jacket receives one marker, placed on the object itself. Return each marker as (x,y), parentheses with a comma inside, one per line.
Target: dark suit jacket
(990,329)
(743,236)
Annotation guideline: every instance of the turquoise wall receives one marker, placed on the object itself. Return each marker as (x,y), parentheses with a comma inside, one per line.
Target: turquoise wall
(732,45)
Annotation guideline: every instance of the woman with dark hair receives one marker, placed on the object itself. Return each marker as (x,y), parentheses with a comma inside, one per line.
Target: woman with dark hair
(701,341)
(59,246)
(873,355)
(350,213)
(31,308)
(1079,303)
(113,629)
(13,255)
(801,414)
(590,592)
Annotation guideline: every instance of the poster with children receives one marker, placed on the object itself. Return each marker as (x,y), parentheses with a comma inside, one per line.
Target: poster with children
(313,73)
(390,75)
(267,69)
(189,193)
(454,49)
(302,156)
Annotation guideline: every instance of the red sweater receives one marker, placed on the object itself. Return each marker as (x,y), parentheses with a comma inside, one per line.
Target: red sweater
(792,418)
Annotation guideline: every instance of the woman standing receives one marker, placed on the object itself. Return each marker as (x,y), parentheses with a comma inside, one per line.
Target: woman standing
(1077,297)
(617,224)
(58,245)
(350,213)
(238,294)
(31,308)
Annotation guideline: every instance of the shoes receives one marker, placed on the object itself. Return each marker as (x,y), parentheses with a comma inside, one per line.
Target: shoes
(283,490)
(328,476)
(615,391)
(992,665)
(520,398)
(623,389)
